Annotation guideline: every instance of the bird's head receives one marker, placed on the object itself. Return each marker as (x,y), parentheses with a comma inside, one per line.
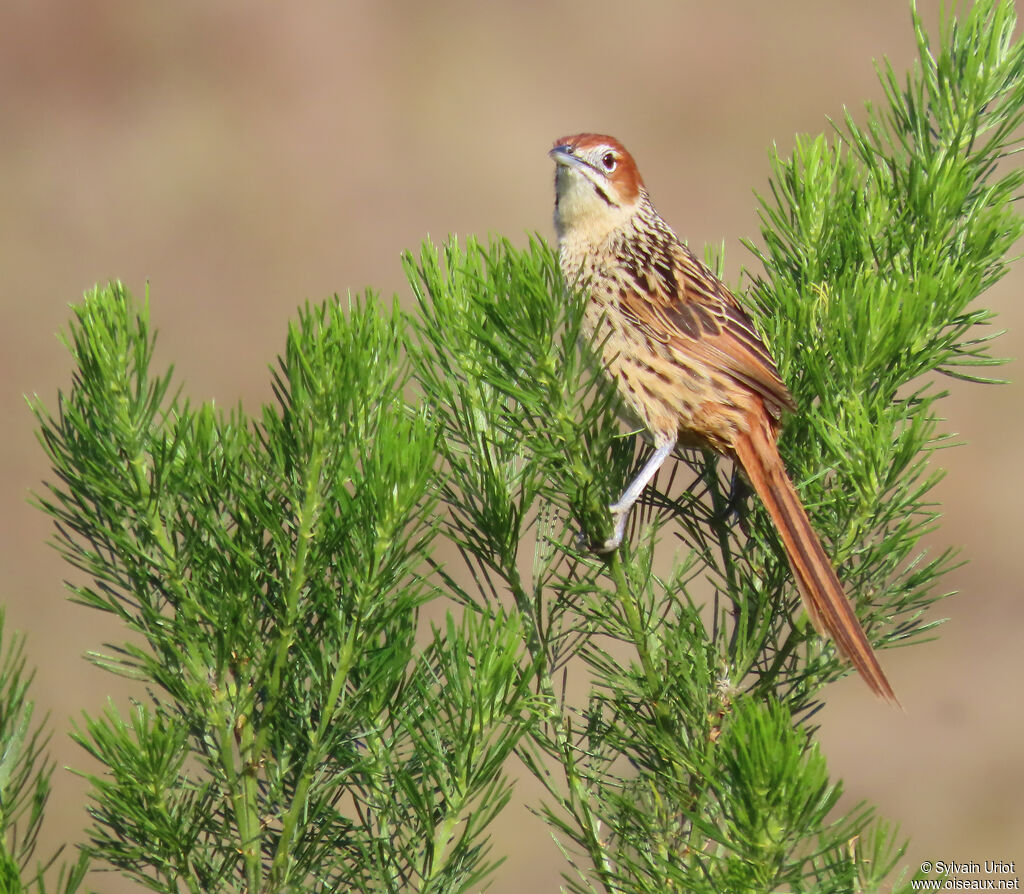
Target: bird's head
(597,185)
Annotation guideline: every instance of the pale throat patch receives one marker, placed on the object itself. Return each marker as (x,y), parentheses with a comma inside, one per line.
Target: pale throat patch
(580,212)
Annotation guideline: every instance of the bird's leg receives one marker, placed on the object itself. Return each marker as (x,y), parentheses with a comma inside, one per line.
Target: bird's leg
(620,508)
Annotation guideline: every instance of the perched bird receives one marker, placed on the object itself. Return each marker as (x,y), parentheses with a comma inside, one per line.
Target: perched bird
(687,360)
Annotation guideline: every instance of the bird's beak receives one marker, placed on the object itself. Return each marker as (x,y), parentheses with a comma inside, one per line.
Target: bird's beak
(562,155)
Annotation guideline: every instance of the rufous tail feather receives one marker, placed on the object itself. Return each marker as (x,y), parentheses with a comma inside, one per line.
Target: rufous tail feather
(816,578)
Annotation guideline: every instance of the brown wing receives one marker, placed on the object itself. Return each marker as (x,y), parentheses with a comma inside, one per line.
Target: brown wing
(683,304)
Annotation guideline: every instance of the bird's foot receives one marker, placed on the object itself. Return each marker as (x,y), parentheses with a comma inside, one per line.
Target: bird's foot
(619,515)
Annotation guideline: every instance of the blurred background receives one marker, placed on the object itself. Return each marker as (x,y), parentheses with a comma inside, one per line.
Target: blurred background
(243,157)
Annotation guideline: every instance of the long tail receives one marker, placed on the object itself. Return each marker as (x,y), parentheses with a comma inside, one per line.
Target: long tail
(822,593)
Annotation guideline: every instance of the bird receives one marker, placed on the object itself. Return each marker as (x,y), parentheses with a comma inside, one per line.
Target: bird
(688,362)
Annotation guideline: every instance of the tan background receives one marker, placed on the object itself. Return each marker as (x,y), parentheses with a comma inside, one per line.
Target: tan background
(242,157)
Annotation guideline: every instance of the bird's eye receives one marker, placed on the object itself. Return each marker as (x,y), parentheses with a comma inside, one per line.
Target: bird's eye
(609,161)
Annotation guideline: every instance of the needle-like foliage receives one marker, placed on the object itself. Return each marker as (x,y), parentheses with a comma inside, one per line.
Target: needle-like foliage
(679,766)
(25,774)
(299,725)
(296,735)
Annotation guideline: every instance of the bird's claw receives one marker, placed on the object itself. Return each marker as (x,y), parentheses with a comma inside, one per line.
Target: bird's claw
(586,544)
